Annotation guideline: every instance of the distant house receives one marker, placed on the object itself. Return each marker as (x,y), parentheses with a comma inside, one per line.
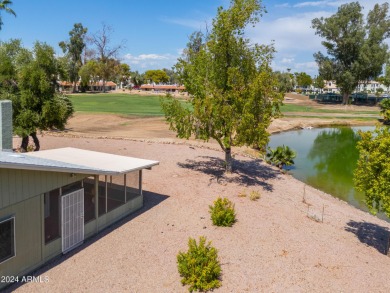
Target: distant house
(66,86)
(50,201)
(330,86)
(98,86)
(371,87)
(162,88)
(363,86)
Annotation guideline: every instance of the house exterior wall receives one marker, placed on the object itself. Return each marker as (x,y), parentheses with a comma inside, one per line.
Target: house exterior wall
(28,237)
(19,185)
(22,197)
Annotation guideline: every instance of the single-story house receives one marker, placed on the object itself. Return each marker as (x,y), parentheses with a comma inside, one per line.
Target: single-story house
(66,86)
(50,201)
(162,88)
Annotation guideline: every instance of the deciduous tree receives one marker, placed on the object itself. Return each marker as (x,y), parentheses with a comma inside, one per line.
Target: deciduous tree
(303,79)
(233,91)
(156,76)
(285,80)
(36,105)
(356,49)
(89,74)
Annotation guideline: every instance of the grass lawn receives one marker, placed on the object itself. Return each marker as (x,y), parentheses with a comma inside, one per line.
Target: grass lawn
(133,104)
(124,104)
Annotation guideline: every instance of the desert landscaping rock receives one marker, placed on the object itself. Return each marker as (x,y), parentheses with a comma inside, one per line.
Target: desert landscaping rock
(275,246)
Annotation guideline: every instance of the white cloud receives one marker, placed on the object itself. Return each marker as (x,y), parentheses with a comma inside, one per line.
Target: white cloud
(145,57)
(191,23)
(150,61)
(367,4)
(291,34)
(287,60)
(320,4)
(307,66)
(284,5)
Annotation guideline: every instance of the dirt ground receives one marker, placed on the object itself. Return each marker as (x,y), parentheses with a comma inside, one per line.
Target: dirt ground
(293,239)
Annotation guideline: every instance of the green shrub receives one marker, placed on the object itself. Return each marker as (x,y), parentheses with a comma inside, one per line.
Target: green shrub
(371,175)
(222,212)
(199,266)
(385,110)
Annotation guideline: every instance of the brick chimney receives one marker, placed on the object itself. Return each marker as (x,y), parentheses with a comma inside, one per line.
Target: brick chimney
(5,125)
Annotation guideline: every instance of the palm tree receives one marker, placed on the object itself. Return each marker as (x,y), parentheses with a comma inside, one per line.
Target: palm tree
(281,156)
(4,5)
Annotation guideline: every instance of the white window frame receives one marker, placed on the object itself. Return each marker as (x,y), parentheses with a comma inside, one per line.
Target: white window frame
(12,218)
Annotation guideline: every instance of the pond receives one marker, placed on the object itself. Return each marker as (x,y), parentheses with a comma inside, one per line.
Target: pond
(326,159)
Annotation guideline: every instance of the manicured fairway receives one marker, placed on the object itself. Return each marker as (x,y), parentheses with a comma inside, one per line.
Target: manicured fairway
(141,105)
(125,104)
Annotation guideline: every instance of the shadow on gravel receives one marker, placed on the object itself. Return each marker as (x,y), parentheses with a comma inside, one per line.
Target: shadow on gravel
(247,173)
(151,200)
(371,234)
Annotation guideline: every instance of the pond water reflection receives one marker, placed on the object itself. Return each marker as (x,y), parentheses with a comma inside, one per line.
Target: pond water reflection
(326,159)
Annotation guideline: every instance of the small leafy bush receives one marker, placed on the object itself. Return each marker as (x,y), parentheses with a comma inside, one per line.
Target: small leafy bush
(222,212)
(199,266)
(254,195)
(385,110)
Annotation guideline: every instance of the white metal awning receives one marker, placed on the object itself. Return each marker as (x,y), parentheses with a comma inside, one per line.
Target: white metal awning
(76,161)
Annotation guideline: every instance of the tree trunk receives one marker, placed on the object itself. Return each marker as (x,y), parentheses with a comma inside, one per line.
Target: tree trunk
(74,86)
(228,160)
(36,141)
(24,145)
(345,98)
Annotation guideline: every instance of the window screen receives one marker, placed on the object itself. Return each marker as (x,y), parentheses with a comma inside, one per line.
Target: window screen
(7,239)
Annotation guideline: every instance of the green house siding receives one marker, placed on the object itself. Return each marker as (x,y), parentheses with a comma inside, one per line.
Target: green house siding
(28,236)
(22,197)
(19,185)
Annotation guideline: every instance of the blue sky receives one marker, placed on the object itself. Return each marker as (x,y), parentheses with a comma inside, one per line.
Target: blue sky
(157,32)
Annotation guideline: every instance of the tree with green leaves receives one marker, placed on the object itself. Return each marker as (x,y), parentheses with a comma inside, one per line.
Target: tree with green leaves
(385,110)
(156,76)
(373,168)
(137,79)
(73,50)
(319,83)
(233,91)
(356,49)
(5,6)
(172,74)
(385,79)
(30,83)
(123,74)
(303,80)
(89,73)
(285,80)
